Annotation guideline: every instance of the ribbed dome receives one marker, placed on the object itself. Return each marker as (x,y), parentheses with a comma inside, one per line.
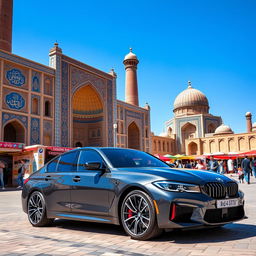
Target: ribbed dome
(130,56)
(223,129)
(190,98)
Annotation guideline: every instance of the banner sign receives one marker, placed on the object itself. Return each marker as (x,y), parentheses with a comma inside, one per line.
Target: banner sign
(11,145)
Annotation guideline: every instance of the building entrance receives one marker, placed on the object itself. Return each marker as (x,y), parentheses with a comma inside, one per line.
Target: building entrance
(88,118)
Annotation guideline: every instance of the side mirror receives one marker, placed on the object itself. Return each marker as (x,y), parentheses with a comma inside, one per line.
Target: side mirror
(94,166)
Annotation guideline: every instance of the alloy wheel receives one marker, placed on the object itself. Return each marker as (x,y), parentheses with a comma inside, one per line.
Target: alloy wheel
(35,208)
(136,214)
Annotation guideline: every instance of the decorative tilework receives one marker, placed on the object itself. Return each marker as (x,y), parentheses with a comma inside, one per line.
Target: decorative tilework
(36,81)
(7,117)
(14,101)
(80,77)
(86,67)
(25,62)
(110,113)
(64,105)
(35,131)
(57,112)
(15,77)
(47,127)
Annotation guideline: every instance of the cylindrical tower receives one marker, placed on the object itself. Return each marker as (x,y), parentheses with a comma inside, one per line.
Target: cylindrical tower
(131,85)
(248,117)
(6,25)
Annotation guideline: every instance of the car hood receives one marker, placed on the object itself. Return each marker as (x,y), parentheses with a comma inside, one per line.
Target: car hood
(181,175)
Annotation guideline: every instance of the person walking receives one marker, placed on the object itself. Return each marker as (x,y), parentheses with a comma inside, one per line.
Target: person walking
(21,173)
(246,165)
(220,168)
(253,166)
(2,166)
(230,166)
(213,164)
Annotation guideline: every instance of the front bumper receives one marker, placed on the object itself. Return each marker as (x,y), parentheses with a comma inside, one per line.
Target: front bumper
(194,210)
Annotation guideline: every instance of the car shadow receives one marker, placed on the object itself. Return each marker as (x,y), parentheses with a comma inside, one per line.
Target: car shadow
(100,228)
(225,233)
(228,232)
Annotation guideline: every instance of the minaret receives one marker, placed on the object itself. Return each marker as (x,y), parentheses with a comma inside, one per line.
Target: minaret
(248,117)
(131,85)
(6,25)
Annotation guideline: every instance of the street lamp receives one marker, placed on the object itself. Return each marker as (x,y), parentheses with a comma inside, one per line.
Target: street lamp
(115,134)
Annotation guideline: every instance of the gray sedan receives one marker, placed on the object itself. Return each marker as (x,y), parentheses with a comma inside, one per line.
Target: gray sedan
(129,188)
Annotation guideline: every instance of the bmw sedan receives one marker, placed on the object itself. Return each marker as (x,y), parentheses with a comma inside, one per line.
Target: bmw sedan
(129,188)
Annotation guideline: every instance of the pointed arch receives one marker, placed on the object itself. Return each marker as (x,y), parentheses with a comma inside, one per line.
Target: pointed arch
(192,148)
(14,131)
(133,136)
(188,131)
(87,117)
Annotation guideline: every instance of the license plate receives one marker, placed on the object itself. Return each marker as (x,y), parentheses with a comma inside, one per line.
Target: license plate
(227,203)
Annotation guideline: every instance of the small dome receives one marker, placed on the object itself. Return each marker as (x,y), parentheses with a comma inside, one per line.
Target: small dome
(130,56)
(190,98)
(223,129)
(248,114)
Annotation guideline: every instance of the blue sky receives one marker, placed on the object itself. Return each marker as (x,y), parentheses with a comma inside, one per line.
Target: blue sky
(211,43)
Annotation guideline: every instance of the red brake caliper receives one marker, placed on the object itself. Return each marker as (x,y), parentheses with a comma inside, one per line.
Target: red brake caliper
(129,213)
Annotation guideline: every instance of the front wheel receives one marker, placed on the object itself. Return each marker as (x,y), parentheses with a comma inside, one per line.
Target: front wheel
(138,216)
(37,210)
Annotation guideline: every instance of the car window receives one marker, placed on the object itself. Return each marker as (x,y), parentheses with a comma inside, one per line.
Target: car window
(68,162)
(121,158)
(88,156)
(51,167)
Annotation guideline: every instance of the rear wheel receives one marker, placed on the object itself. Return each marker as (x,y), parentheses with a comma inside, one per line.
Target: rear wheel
(37,210)
(138,216)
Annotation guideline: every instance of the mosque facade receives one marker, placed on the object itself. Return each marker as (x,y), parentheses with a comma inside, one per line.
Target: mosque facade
(68,103)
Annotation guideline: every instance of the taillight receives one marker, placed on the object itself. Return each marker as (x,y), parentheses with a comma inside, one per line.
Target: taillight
(26,180)
(173,211)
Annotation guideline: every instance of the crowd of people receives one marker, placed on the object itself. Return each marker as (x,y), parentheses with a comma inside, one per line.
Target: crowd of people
(20,177)
(245,168)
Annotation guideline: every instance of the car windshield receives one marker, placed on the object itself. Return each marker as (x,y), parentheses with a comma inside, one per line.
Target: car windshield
(121,158)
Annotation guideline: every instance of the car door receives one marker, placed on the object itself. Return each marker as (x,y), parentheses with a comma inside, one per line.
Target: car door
(58,179)
(91,188)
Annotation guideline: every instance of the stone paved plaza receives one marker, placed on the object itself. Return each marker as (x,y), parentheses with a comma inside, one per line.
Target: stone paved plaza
(18,237)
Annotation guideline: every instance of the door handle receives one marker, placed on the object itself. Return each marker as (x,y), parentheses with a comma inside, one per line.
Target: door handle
(48,177)
(76,179)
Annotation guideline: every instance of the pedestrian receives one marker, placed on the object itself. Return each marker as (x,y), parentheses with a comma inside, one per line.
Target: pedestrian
(253,166)
(220,168)
(213,164)
(246,165)
(21,172)
(230,166)
(240,175)
(2,166)
(188,165)
(200,165)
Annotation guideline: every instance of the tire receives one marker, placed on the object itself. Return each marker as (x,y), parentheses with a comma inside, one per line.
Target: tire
(138,216)
(37,210)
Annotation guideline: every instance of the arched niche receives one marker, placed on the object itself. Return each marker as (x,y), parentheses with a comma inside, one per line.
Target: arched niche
(133,136)
(14,131)
(87,117)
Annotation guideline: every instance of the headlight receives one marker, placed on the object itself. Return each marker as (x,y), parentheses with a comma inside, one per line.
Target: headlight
(177,186)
